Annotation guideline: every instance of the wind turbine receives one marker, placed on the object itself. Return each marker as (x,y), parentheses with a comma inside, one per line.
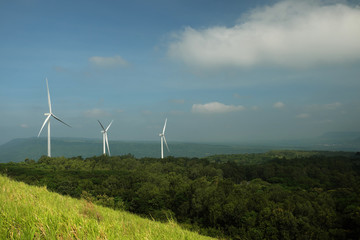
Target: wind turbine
(47,120)
(163,139)
(105,137)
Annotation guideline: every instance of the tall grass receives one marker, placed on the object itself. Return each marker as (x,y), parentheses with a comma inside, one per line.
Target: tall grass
(28,212)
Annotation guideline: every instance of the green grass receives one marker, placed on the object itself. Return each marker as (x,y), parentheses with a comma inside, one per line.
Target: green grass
(28,212)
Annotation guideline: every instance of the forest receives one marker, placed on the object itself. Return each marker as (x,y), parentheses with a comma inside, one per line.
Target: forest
(273,195)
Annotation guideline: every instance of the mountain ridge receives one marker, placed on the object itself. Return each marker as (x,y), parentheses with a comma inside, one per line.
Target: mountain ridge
(19,149)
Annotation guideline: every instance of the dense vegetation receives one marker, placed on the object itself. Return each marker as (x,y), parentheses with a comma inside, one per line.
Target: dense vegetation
(29,212)
(276,195)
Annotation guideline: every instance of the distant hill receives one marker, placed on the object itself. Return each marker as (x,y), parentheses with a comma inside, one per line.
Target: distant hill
(349,136)
(348,141)
(33,148)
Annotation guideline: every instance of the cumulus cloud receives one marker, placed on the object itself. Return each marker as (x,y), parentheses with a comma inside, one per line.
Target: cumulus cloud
(110,62)
(288,33)
(96,112)
(215,107)
(279,105)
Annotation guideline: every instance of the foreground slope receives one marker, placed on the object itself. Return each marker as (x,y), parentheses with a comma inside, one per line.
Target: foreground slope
(28,212)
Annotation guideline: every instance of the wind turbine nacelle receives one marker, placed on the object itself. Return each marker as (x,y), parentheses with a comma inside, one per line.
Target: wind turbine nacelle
(46,114)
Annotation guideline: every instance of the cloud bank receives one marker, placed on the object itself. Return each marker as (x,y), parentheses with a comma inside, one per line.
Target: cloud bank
(288,33)
(111,62)
(215,107)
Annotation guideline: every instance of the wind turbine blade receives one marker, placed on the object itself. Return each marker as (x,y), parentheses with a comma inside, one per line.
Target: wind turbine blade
(164,126)
(101,126)
(109,125)
(166,143)
(49,101)
(107,143)
(46,120)
(60,120)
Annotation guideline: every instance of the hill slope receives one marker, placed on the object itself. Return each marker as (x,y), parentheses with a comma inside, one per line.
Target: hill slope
(28,212)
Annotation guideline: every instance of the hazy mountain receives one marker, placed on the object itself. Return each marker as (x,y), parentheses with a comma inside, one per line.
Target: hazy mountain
(33,148)
(341,136)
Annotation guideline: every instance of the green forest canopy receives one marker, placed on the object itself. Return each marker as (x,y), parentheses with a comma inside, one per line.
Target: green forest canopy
(274,195)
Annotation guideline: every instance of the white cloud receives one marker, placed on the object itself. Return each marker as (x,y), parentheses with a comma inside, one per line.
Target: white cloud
(111,62)
(96,112)
(289,33)
(303,115)
(279,105)
(215,107)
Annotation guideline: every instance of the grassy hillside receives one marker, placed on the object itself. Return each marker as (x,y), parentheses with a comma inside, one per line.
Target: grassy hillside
(28,212)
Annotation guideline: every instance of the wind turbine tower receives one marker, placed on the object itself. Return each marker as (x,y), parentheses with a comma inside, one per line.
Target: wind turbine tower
(47,120)
(105,137)
(163,139)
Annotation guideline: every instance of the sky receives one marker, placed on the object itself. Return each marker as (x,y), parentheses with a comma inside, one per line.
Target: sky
(219,71)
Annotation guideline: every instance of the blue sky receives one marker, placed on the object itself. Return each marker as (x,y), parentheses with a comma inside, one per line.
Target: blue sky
(220,71)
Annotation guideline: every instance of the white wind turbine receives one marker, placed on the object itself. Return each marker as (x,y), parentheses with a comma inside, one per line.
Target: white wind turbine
(163,139)
(105,137)
(47,120)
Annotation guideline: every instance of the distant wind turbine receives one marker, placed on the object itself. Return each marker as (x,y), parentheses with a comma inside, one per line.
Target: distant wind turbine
(47,120)
(105,137)
(163,139)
